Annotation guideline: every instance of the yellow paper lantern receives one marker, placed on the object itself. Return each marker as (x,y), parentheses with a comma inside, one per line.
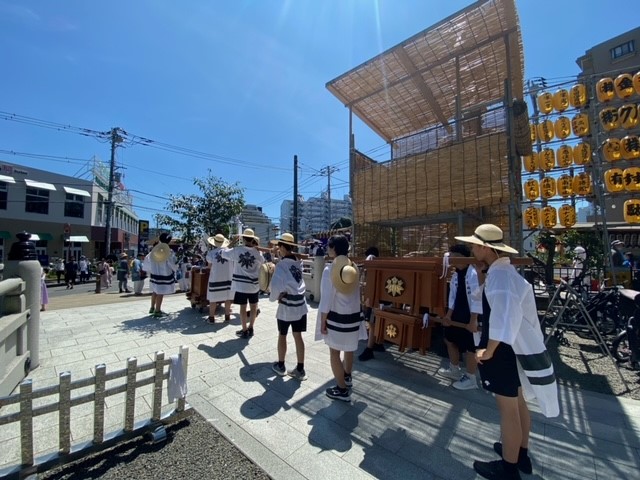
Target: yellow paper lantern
(547,159)
(630,147)
(564,156)
(605,91)
(582,184)
(531,189)
(567,214)
(533,132)
(580,125)
(562,127)
(561,100)
(565,185)
(631,177)
(609,118)
(624,85)
(636,82)
(632,211)
(614,180)
(582,153)
(530,162)
(612,150)
(549,217)
(532,217)
(545,131)
(628,114)
(545,103)
(547,187)
(578,95)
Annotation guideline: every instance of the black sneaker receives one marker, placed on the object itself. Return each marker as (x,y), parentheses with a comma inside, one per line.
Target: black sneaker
(367,354)
(242,333)
(337,393)
(278,369)
(495,470)
(348,380)
(524,464)
(250,330)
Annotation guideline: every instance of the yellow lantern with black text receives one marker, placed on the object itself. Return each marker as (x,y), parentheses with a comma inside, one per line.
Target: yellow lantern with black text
(564,156)
(582,184)
(580,125)
(531,189)
(582,153)
(612,150)
(562,127)
(561,100)
(636,82)
(614,180)
(609,118)
(545,130)
(567,214)
(630,147)
(549,217)
(530,162)
(631,177)
(533,132)
(547,159)
(578,95)
(565,185)
(624,85)
(547,187)
(532,217)
(628,114)
(545,103)
(632,211)
(605,91)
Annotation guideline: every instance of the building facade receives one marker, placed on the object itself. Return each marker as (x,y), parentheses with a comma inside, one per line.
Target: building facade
(253,217)
(315,214)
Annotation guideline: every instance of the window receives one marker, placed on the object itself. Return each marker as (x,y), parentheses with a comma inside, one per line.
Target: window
(74,206)
(37,201)
(622,50)
(3,195)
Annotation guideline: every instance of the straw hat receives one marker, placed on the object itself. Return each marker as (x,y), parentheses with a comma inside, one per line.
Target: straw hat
(123,255)
(285,238)
(488,235)
(264,276)
(218,240)
(160,253)
(344,274)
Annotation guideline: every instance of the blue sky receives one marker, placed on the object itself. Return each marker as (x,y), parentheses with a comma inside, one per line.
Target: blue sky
(241,80)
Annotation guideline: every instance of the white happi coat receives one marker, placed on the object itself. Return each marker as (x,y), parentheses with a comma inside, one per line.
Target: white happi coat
(246,266)
(219,288)
(161,274)
(514,321)
(287,278)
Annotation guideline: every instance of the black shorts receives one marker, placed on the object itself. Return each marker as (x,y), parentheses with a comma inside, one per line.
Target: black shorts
(241,298)
(500,374)
(296,325)
(461,338)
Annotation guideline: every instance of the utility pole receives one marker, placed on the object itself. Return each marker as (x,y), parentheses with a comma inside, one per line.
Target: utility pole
(115,139)
(328,170)
(295,198)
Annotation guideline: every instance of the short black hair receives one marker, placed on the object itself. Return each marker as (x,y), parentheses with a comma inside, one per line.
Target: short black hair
(372,251)
(288,247)
(460,249)
(340,244)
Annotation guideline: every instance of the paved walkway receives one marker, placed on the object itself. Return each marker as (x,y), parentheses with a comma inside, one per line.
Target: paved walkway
(403,421)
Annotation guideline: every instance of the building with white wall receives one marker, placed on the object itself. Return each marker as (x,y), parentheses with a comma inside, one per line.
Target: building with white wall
(315,214)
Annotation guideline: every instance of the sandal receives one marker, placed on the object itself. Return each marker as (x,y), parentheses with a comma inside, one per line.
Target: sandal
(211,320)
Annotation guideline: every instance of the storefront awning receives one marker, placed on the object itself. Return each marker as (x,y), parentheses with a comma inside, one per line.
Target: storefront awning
(78,238)
(7,179)
(43,236)
(5,235)
(77,191)
(43,185)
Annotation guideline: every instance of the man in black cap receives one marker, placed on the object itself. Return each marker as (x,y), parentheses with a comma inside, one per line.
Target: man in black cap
(617,257)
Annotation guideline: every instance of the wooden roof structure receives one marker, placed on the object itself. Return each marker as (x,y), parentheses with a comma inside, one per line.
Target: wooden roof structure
(417,84)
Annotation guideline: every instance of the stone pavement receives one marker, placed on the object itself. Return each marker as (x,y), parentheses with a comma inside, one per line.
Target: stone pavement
(403,420)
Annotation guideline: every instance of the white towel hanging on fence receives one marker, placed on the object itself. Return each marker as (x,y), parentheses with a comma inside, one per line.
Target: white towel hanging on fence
(177,384)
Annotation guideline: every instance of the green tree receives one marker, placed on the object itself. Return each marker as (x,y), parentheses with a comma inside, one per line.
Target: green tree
(195,216)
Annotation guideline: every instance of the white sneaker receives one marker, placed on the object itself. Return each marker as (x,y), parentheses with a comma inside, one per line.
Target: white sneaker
(465,383)
(452,373)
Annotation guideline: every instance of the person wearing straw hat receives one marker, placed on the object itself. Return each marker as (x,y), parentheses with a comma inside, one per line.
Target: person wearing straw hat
(339,322)
(247,260)
(221,270)
(160,264)
(122,274)
(288,289)
(513,361)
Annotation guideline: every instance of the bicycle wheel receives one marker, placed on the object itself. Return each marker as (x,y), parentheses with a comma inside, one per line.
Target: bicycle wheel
(620,347)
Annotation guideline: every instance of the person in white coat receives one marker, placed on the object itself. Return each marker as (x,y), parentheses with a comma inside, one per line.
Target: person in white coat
(161,266)
(220,273)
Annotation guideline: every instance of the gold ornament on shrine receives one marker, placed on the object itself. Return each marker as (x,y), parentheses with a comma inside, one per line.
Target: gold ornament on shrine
(565,185)
(532,218)
(609,118)
(391,331)
(567,214)
(562,127)
(582,184)
(636,83)
(630,147)
(545,103)
(533,132)
(632,211)
(561,100)
(624,85)
(578,95)
(395,286)
(582,153)
(564,156)
(545,131)
(531,189)
(605,91)
(631,177)
(611,149)
(547,159)
(530,162)
(614,180)
(547,187)
(549,217)
(628,114)
(580,125)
